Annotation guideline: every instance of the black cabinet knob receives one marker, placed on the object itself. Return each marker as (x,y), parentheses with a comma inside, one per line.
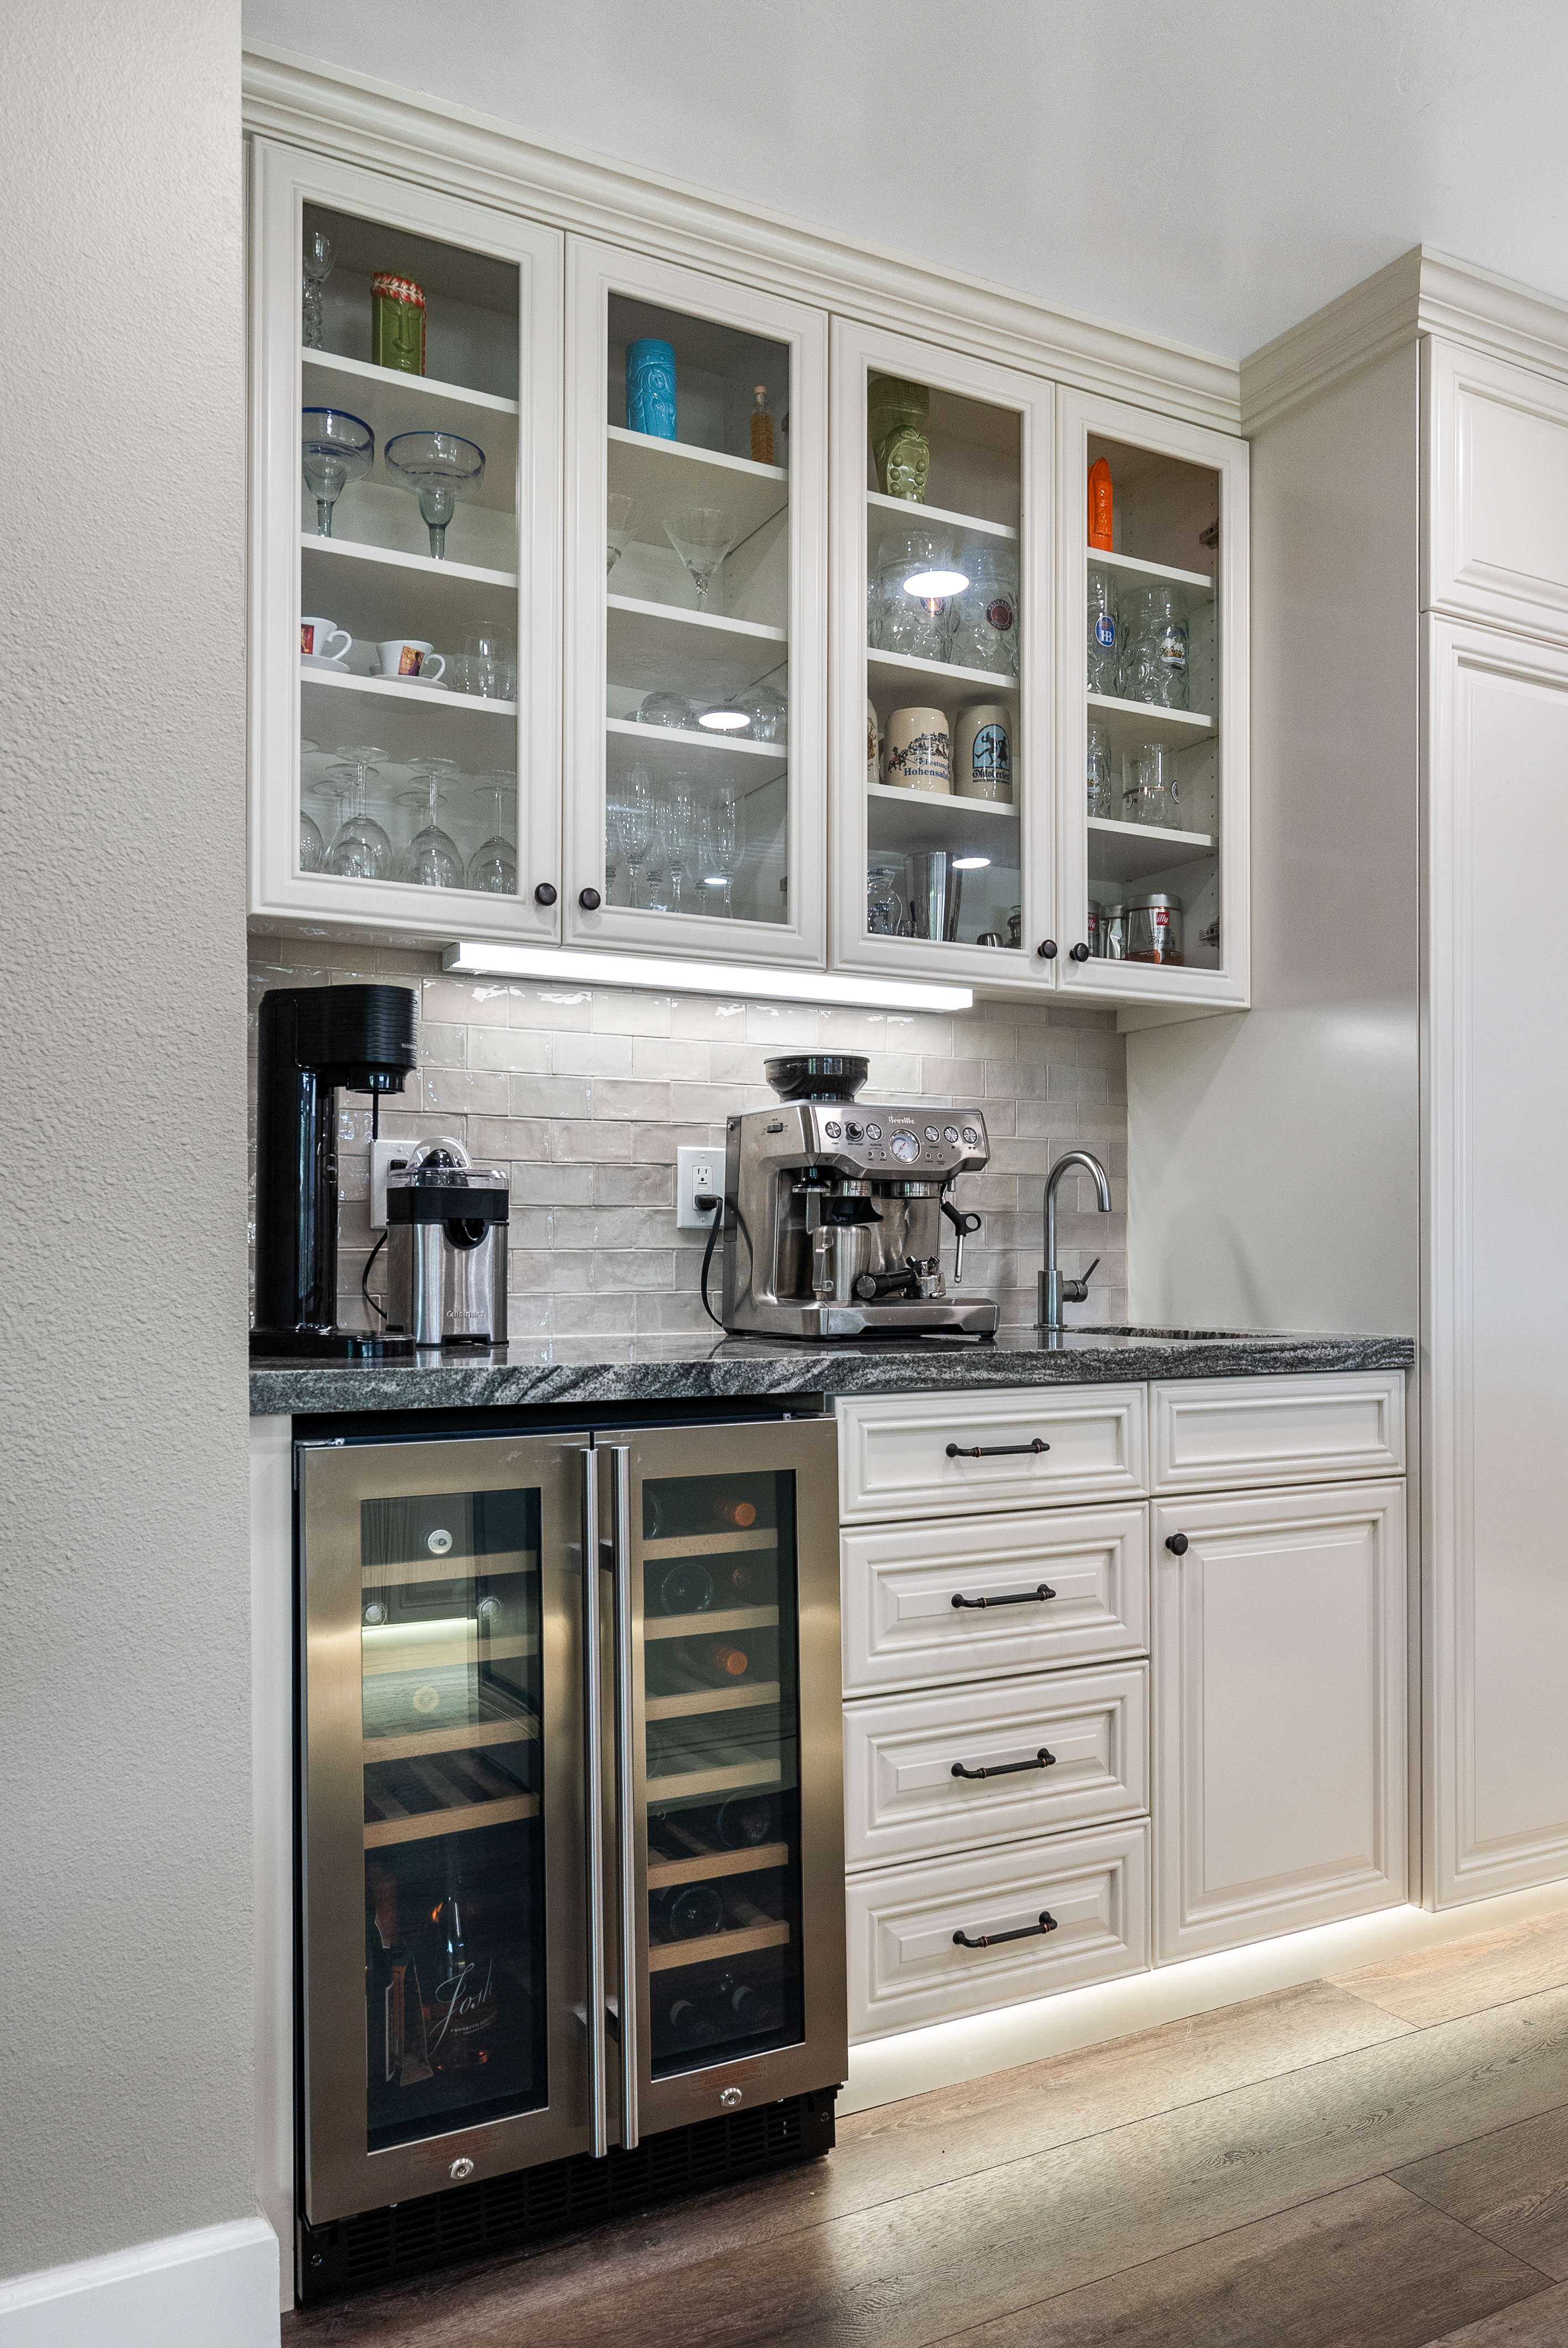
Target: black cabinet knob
(1079,954)
(1177,1544)
(1047,949)
(590,899)
(545,894)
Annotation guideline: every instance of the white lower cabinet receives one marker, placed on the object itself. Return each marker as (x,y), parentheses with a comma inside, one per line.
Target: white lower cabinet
(1279,1648)
(932,1942)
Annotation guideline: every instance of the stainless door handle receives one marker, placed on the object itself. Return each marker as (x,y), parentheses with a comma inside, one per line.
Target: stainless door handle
(625,1784)
(593,1805)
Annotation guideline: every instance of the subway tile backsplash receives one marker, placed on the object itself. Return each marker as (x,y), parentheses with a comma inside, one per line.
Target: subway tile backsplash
(586,1093)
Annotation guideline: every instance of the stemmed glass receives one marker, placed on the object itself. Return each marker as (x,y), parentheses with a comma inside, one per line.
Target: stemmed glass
(614,851)
(623,521)
(312,846)
(684,832)
(723,844)
(494,863)
(638,821)
(701,536)
(438,468)
(361,850)
(317,267)
(335,449)
(433,859)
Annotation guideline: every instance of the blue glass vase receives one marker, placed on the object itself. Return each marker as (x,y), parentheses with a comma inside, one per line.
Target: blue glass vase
(651,388)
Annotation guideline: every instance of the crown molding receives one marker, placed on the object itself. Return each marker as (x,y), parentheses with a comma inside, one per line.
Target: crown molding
(412,136)
(1422,293)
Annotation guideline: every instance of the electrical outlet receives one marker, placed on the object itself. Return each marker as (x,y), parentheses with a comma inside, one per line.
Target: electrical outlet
(384,1156)
(697,1171)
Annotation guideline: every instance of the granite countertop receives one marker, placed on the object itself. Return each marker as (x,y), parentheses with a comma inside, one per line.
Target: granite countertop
(598,1370)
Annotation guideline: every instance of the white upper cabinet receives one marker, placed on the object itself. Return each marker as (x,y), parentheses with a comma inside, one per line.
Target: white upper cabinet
(1496,525)
(1152,706)
(406,552)
(941,676)
(696,635)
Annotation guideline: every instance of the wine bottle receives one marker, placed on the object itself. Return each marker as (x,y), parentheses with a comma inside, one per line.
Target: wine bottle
(762,427)
(460,2019)
(717,1662)
(744,1821)
(686,1910)
(734,1512)
(755,2007)
(685,1588)
(740,1580)
(686,2023)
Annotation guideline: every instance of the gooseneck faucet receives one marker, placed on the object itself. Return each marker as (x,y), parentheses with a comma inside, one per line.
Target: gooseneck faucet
(1055,1292)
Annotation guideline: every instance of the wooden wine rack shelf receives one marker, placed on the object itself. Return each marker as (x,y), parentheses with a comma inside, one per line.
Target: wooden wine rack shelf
(699,1626)
(717,1699)
(467,1739)
(379,1832)
(434,1654)
(690,1785)
(488,1568)
(667,1956)
(654,1552)
(703,1866)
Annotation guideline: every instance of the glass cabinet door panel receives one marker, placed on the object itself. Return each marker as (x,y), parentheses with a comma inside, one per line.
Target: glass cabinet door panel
(1150,835)
(941,795)
(692,404)
(406,478)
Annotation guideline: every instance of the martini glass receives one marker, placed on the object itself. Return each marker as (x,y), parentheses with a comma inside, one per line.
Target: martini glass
(317,267)
(492,866)
(335,449)
(623,521)
(438,468)
(433,859)
(701,536)
(361,850)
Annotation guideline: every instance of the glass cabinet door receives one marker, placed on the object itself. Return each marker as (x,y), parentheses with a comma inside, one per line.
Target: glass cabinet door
(1152,766)
(442,1790)
(696,632)
(941,725)
(735,1865)
(405,640)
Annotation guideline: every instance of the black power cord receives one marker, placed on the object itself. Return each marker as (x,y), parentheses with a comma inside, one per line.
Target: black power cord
(714,1207)
(364,1277)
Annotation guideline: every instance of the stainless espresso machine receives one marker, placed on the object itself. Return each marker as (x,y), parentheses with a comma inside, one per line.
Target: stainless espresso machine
(834,1213)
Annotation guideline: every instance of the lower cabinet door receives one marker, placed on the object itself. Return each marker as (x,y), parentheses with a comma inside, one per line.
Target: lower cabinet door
(1279,1661)
(959,1768)
(934,1941)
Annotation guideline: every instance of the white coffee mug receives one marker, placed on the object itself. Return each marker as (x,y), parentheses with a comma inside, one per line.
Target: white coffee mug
(918,751)
(409,656)
(319,640)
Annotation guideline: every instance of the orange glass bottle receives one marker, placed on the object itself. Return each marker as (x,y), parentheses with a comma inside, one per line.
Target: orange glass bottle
(1099,505)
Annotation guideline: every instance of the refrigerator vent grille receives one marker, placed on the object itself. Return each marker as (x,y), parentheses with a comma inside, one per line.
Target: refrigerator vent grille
(503,2212)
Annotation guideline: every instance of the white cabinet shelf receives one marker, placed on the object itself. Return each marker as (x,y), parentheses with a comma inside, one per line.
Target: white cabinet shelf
(937,518)
(1196,585)
(916,823)
(711,759)
(666,474)
(701,654)
(1131,852)
(387,385)
(391,402)
(374,591)
(433,695)
(1130,724)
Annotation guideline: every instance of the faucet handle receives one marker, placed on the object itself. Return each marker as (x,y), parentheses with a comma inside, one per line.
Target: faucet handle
(1075,1292)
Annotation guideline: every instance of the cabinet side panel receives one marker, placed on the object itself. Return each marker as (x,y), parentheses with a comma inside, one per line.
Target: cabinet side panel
(1274,1154)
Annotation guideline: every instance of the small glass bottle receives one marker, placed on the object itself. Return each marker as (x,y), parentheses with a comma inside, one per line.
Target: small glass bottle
(762,427)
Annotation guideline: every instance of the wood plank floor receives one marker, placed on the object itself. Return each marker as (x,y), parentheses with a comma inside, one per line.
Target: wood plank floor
(1376,2161)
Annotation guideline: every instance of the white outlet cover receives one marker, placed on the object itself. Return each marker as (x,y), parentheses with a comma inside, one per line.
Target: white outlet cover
(697,1170)
(384,1156)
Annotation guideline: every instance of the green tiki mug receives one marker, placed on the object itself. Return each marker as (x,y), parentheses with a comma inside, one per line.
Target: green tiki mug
(895,411)
(397,323)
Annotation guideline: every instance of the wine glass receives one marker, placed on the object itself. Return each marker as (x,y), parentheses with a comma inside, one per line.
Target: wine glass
(317,267)
(638,821)
(684,832)
(491,652)
(623,521)
(335,449)
(361,850)
(722,845)
(657,867)
(433,859)
(438,468)
(494,863)
(312,846)
(701,536)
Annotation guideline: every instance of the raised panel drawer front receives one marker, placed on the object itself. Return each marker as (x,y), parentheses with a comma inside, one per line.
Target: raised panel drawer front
(1498,501)
(905,1968)
(1280,1671)
(894,1455)
(903,1801)
(902,1628)
(1215,1435)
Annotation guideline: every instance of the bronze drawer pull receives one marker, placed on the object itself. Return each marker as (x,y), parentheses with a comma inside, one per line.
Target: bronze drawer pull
(994,1940)
(995,1451)
(1012,1597)
(1042,1760)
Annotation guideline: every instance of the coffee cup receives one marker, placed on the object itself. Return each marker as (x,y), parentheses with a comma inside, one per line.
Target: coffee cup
(319,640)
(918,751)
(982,762)
(411,656)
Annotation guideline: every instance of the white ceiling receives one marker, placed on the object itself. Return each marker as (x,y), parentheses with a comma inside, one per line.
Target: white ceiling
(1209,170)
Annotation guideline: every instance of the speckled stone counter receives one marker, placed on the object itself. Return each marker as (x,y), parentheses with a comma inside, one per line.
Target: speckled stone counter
(635,1370)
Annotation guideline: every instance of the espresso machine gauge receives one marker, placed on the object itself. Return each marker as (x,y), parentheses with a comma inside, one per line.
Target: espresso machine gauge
(835,1216)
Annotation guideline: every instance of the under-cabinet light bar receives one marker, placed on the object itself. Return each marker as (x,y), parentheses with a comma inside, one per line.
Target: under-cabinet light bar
(569,965)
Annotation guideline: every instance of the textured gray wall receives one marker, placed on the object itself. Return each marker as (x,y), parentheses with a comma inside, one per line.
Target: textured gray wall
(125,2055)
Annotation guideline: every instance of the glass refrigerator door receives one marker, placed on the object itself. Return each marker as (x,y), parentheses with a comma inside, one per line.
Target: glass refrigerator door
(730,1826)
(443,1875)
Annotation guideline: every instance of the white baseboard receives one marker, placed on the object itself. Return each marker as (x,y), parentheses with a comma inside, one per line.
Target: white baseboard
(216,2288)
(886,2070)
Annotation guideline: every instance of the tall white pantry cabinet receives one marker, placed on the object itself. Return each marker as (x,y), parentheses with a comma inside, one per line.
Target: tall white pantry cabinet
(1389,1127)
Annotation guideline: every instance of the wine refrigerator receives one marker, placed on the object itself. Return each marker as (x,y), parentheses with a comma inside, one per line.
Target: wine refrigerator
(571,1864)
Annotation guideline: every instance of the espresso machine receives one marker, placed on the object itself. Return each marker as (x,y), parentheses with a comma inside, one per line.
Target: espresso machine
(834,1213)
(314,1039)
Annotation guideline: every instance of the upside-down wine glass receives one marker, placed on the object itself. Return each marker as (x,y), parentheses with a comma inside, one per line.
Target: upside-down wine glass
(433,859)
(361,850)
(492,866)
(683,832)
(438,468)
(638,821)
(335,449)
(722,845)
(701,536)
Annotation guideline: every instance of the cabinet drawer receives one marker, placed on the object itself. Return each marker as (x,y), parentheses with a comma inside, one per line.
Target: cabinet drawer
(1215,1435)
(902,1801)
(901,1628)
(1497,543)
(893,1460)
(906,1970)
